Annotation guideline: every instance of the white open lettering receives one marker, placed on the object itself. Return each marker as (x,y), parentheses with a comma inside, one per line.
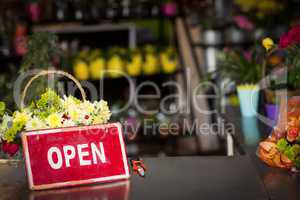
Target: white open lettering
(87,154)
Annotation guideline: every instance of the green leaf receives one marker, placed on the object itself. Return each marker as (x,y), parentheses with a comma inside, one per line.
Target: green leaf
(2,108)
(42,48)
(292,151)
(297,162)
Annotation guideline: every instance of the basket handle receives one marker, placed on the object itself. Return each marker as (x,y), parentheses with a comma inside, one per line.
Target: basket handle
(47,72)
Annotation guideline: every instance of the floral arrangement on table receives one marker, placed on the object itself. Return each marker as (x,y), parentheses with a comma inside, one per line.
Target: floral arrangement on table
(149,60)
(282,148)
(49,111)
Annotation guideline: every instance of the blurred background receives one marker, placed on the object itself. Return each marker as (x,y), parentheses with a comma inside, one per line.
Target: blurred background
(148,40)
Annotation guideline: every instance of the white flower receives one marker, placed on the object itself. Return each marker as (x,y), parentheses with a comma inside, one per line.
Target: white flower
(99,105)
(103,113)
(74,114)
(87,106)
(68,123)
(6,123)
(35,124)
(85,119)
(86,109)
(69,103)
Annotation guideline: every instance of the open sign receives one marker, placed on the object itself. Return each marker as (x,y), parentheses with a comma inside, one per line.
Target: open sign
(73,156)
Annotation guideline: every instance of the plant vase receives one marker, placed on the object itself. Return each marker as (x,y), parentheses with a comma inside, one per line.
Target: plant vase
(248,98)
(272,111)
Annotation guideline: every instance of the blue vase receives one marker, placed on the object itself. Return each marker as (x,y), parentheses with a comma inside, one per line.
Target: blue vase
(248,98)
(250,130)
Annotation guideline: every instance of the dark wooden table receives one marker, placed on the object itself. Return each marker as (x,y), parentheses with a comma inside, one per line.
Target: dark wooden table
(240,177)
(279,184)
(167,178)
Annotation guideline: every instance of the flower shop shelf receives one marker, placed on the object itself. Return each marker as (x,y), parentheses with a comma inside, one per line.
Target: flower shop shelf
(222,45)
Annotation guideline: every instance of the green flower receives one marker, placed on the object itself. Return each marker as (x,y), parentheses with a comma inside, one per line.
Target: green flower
(11,133)
(282,145)
(49,103)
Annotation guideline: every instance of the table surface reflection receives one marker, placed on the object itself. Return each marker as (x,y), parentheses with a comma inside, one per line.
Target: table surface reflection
(167,178)
(280,184)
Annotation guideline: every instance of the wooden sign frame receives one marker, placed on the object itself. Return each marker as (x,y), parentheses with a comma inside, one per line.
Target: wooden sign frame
(28,164)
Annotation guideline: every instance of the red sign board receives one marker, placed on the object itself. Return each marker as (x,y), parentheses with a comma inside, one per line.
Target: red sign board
(74,156)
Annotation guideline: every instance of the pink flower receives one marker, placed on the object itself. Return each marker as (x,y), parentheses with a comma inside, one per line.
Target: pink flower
(292,37)
(10,148)
(243,22)
(169,9)
(284,41)
(294,34)
(247,55)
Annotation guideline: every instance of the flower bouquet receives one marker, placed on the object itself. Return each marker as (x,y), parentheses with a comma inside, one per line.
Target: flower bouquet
(282,148)
(49,111)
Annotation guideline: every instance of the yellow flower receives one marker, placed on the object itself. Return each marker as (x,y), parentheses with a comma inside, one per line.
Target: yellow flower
(134,67)
(102,117)
(115,66)
(21,117)
(151,64)
(54,120)
(168,65)
(268,43)
(96,68)
(81,70)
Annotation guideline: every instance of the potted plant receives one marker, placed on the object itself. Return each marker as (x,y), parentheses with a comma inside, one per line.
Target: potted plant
(272,68)
(244,69)
(287,67)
